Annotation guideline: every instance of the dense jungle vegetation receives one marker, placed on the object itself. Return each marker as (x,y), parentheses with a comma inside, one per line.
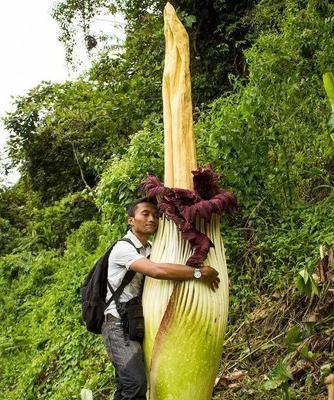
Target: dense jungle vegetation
(83,146)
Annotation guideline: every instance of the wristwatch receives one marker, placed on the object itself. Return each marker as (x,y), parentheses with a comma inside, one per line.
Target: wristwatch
(197,273)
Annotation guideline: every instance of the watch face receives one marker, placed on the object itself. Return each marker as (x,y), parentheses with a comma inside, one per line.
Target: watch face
(197,273)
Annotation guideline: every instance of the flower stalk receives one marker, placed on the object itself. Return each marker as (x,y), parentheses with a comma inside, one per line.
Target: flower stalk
(185,321)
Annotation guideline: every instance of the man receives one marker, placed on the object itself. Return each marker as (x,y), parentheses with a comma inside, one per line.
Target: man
(127,355)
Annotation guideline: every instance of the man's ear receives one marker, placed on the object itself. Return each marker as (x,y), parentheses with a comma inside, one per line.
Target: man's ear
(130,221)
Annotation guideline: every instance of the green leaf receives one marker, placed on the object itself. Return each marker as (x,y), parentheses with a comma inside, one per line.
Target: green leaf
(328,80)
(304,289)
(314,286)
(306,284)
(307,354)
(189,20)
(279,375)
(282,372)
(305,275)
(293,337)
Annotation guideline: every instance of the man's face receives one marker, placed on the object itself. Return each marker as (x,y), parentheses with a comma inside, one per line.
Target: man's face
(145,220)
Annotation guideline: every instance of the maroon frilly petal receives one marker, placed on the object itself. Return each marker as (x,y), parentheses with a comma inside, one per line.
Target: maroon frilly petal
(152,186)
(206,182)
(200,243)
(183,206)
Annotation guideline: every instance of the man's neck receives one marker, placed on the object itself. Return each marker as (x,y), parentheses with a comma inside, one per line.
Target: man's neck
(141,237)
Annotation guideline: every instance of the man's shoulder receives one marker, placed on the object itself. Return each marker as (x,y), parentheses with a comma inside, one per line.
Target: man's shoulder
(123,254)
(122,246)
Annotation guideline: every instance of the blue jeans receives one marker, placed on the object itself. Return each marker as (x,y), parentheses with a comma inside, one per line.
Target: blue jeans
(128,360)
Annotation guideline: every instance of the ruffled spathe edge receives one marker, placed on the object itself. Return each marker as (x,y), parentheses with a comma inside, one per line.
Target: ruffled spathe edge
(183,206)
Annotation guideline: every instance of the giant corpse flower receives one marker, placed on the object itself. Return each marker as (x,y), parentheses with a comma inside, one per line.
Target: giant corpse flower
(184,321)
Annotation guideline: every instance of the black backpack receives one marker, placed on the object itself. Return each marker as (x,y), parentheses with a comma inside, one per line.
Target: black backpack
(94,291)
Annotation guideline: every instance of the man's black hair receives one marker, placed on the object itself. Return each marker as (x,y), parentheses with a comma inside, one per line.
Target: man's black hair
(132,207)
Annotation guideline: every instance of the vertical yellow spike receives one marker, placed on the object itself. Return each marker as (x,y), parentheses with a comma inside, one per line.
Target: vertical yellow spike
(180,157)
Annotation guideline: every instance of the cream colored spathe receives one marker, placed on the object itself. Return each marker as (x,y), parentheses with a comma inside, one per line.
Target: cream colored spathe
(184,321)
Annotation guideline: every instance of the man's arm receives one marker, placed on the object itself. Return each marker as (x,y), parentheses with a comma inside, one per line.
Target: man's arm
(174,271)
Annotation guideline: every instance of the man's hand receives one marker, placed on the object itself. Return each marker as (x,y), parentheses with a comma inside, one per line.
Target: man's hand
(210,275)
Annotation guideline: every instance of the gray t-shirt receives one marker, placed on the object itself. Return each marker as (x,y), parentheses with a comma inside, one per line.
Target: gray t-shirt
(120,259)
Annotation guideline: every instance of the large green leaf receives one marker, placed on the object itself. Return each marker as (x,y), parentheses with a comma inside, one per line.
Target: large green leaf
(328,79)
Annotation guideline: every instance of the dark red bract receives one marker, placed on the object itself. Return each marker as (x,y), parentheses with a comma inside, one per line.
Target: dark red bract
(183,206)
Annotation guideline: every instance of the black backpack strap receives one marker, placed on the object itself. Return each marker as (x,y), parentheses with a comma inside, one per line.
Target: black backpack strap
(116,293)
(125,281)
